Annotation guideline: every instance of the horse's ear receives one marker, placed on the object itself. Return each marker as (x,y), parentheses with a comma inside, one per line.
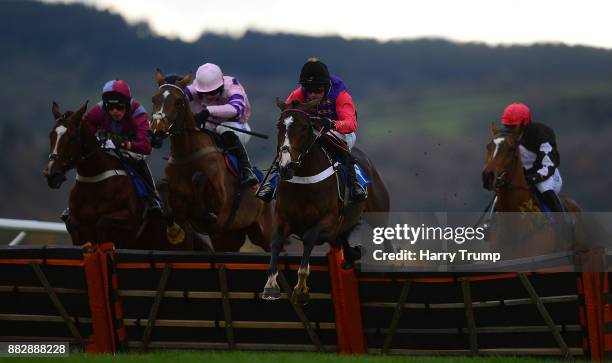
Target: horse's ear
(494,129)
(159,77)
(185,81)
(78,115)
(56,110)
(309,107)
(281,105)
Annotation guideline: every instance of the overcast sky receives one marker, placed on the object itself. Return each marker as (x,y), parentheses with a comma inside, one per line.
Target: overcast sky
(587,22)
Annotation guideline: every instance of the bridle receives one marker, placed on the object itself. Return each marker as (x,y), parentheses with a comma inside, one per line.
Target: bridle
(74,160)
(501,181)
(302,154)
(175,128)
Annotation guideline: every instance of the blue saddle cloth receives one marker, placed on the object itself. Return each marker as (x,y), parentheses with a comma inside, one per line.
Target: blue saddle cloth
(362,178)
(233,164)
(537,196)
(139,184)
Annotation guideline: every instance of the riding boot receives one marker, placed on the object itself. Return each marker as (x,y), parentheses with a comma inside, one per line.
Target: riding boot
(233,144)
(152,200)
(552,201)
(356,191)
(268,189)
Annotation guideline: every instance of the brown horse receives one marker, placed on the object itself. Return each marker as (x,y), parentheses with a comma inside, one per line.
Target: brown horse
(307,202)
(503,173)
(104,205)
(198,181)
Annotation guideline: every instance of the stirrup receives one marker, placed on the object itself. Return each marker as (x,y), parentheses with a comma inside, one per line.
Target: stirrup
(357,196)
(247,177)
(266,193)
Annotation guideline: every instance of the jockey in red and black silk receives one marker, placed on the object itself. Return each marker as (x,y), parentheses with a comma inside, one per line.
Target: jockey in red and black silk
(539,153)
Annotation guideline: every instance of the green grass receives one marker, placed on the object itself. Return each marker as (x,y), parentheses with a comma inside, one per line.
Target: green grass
(266,357)
(452,111)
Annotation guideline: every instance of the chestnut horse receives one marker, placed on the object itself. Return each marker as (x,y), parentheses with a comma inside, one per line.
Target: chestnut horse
(503,173)
(307,201)
(104,205)
(198,181)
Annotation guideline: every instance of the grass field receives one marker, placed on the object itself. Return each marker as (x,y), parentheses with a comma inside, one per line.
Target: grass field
(265,357)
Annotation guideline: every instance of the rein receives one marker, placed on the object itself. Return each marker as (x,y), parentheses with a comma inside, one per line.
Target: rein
(507,184)
(298,163)
(173,130)
(74,160)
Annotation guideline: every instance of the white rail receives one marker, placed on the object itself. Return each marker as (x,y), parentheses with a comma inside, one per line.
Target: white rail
(28,226)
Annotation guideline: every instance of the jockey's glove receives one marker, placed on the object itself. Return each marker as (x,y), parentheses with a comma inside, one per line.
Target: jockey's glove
(202,117)
(534,179)
(156,140)
(327,124)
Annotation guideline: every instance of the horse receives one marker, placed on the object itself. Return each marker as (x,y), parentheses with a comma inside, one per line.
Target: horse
(503,173)
(198,181)
(103,205)
(308,202)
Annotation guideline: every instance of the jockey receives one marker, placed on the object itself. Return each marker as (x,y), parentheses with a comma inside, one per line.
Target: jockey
(220,101)
(124,121)
(337,116)
(539,155)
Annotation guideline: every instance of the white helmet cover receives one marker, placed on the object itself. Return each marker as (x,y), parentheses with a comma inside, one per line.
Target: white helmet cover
(208,78)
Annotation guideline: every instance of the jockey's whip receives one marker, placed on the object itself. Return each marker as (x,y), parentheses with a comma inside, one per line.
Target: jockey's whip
(253,133)
(486,210)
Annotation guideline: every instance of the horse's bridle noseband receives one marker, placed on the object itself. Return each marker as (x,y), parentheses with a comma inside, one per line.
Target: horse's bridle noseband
(174,129)
(286,148)
(502,182)
(74,159)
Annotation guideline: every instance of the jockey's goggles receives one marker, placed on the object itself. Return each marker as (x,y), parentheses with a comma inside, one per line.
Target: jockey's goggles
(211,93)
(114,106)
(314,88)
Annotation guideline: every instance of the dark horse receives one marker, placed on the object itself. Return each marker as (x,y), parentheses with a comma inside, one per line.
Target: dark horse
(104,205)
(307,202)
(198,181)
(503,173)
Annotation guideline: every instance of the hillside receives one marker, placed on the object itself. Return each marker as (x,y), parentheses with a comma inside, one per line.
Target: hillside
(425,106)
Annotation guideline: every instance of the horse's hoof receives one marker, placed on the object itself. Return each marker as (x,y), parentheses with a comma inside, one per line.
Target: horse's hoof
(175,234)
(300,298)
(271,293)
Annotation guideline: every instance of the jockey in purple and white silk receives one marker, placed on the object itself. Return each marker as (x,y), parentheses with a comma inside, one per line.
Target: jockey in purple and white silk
(220,101)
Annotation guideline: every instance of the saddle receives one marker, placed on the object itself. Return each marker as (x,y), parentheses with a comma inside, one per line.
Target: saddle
(334,158)
(231,162)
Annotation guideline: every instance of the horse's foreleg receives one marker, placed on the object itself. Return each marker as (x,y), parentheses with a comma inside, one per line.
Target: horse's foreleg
(201,212)
(271,289)
(114,228)
(174,232)
(72,226)
(300,293)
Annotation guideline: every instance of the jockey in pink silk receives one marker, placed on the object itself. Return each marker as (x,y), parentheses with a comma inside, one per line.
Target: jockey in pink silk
(336,112)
